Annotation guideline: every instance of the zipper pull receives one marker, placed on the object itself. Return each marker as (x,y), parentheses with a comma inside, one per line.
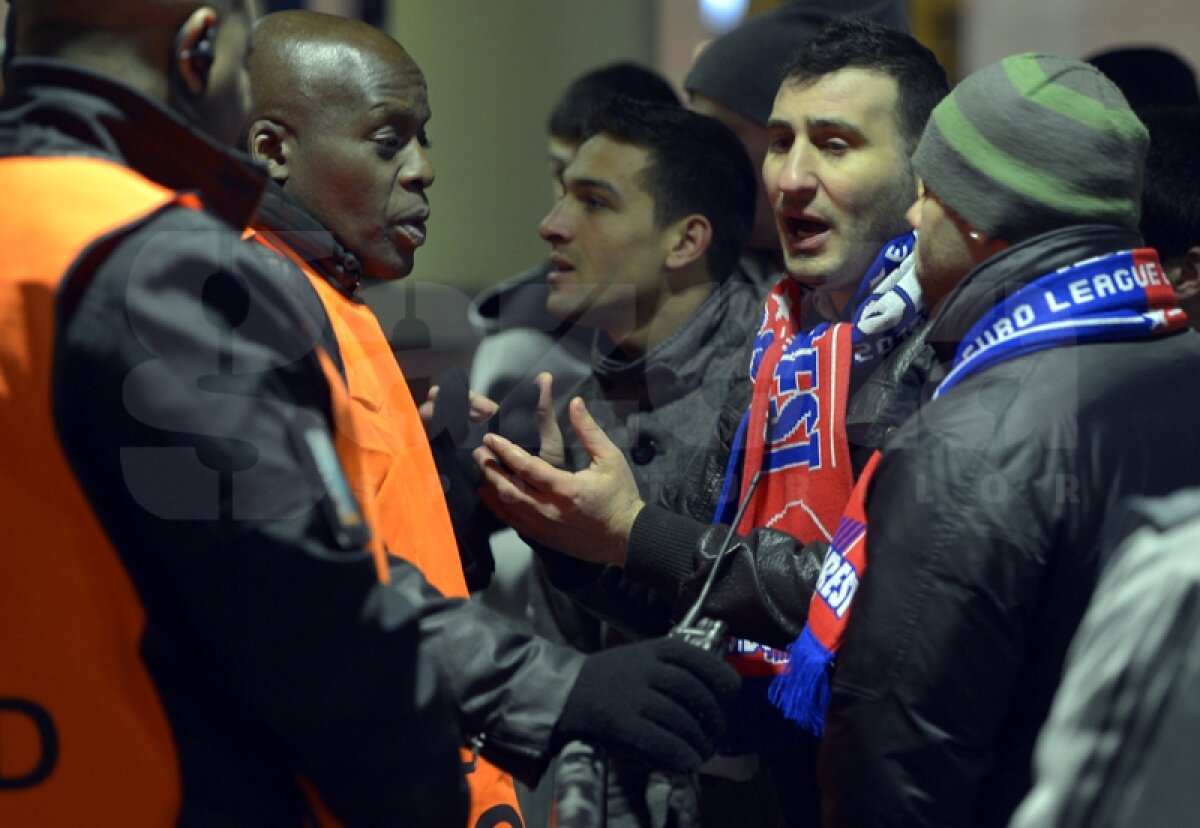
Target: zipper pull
(476,745)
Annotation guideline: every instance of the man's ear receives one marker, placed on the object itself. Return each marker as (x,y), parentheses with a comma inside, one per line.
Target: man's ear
(1187,282)
(268,142)
(690,238)
(981,245)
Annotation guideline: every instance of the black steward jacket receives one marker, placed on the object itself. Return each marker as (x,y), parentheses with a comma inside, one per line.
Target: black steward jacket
(509,687)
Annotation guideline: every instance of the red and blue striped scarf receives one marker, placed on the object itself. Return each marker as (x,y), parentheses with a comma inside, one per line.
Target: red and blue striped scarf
(1119,296)
(795,434)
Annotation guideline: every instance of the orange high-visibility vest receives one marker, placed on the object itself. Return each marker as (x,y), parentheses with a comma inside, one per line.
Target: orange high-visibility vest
(83,739)
(392,469)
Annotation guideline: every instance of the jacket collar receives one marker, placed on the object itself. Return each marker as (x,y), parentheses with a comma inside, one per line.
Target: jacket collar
(676,365)
(284,217)
(57,108)
(1008,271)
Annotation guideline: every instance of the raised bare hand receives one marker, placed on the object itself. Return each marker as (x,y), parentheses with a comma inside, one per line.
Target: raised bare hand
(586,514)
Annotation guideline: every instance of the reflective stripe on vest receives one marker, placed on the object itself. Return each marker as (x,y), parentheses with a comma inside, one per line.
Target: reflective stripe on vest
(392,473)
(83,737)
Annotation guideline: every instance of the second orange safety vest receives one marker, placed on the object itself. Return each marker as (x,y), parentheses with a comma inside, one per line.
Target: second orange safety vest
(393,474)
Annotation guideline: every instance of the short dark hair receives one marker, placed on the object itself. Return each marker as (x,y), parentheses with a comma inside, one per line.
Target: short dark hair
(593,90)
(844,43)
(696,165)
(1171,197)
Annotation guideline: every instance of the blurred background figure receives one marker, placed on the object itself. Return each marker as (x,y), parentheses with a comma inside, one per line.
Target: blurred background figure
(1120,745)
(1171,199)
(1149,76)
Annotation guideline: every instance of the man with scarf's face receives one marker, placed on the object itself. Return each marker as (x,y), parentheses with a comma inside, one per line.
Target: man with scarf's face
(838,175)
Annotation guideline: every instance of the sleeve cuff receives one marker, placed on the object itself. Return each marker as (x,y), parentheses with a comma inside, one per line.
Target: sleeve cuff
(662,546)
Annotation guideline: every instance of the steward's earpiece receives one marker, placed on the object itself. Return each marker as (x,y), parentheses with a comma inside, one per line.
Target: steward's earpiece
(195,62)
(201,55)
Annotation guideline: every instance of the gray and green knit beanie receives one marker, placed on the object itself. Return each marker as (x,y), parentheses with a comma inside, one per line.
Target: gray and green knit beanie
(1032,143)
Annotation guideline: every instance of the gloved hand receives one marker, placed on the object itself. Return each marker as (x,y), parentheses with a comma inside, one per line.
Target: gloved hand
(654,701)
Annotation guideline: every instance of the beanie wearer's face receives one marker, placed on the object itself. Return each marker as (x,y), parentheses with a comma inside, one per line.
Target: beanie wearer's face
(946,249)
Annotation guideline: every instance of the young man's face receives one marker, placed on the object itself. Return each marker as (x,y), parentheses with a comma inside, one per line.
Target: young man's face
(362,167)
(838,176)
(607,250)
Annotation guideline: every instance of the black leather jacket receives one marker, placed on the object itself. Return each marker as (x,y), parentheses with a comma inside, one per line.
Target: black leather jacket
(768,576)
(984,544)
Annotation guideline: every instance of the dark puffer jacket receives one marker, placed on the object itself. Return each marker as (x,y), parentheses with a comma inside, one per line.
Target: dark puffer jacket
(985,529)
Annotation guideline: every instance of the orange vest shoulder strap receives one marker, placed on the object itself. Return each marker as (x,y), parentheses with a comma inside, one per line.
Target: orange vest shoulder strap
(104,197)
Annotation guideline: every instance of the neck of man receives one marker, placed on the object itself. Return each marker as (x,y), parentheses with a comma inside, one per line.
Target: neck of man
(830,304)
(655,325)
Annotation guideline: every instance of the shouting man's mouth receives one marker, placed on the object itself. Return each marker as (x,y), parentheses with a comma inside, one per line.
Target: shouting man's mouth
(805,234)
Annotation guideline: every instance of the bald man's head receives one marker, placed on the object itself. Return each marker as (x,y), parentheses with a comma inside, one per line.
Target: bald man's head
(151,46)
(338,115)
(305,62)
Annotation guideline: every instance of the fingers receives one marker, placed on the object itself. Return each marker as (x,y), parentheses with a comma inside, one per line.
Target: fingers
(549,434)
(496,475)
(545,403)
(670,751)
(716,674)
(534,471)
(593,438)
(480,408)
(426,408)
(545,383)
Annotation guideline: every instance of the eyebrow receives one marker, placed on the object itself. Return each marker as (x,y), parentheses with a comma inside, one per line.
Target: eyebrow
(400,108)
(593,184)
(834,123)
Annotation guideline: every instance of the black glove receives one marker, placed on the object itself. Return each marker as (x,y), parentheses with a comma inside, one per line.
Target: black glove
(655,702)
(452,437)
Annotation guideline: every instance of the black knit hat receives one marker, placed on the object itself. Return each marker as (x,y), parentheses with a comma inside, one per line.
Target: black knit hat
(742,69)
(1149,76)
